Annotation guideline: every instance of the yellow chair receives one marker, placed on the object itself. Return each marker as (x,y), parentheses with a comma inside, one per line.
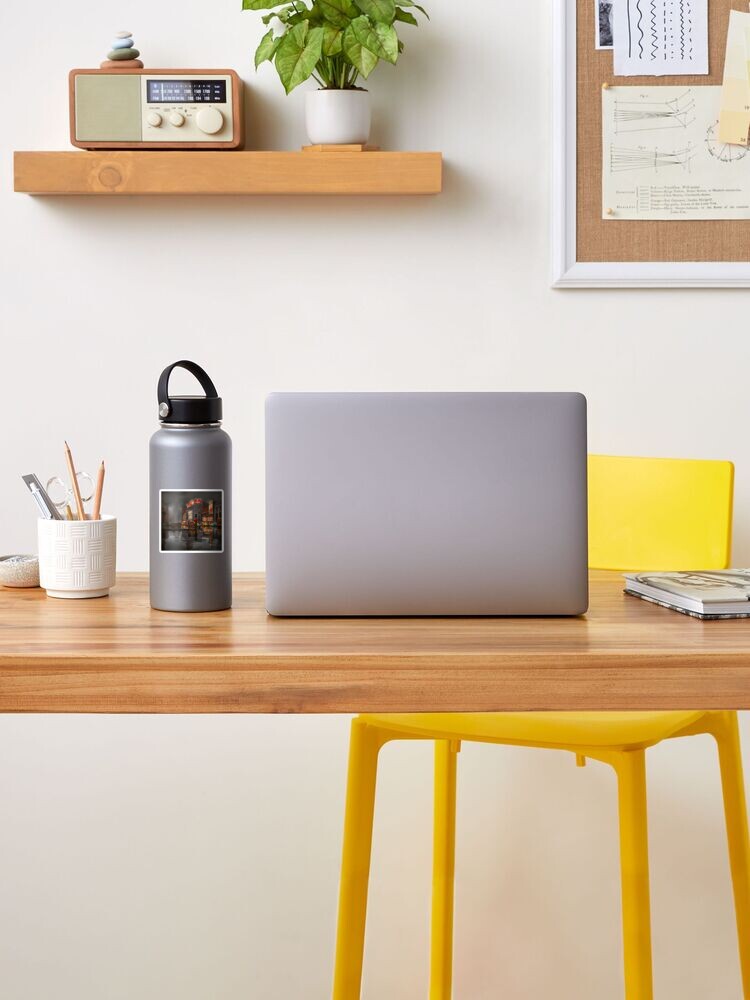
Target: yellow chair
(644,513)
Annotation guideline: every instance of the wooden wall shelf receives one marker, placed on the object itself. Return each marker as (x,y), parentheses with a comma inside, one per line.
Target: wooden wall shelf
(120,172)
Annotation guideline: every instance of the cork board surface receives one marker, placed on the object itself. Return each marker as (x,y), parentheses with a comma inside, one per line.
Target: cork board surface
(600,239)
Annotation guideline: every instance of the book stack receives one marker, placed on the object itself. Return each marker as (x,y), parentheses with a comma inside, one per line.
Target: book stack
(706,595)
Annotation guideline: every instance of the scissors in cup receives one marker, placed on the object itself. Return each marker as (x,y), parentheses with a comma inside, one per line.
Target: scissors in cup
(62,495)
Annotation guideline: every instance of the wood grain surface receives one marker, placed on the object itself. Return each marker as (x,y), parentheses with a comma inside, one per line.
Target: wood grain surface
(122,172)
(116,654)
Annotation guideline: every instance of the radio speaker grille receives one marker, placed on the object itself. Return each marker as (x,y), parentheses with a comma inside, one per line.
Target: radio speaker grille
(108,108)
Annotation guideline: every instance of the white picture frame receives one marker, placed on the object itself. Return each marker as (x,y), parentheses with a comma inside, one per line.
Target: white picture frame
(567,270)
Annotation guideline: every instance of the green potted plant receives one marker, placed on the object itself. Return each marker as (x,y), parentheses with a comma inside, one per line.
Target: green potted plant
(336,42)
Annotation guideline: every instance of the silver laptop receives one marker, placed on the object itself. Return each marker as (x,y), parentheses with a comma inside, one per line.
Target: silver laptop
(426,503)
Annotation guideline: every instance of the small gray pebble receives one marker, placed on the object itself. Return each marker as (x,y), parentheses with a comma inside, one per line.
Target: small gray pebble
(123,54)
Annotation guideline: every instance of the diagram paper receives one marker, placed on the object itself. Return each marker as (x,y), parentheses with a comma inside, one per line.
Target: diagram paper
(660,37)
(662,157)
(734,118)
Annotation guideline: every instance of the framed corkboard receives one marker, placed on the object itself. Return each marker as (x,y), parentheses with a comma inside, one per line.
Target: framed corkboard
(591,251)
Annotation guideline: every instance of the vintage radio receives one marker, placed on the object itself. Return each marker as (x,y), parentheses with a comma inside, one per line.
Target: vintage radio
(156,109)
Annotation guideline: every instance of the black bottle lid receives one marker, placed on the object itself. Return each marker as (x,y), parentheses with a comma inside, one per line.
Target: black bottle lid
(188,409)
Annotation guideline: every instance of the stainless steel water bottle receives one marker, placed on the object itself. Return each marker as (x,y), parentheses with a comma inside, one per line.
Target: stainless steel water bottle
(190,500)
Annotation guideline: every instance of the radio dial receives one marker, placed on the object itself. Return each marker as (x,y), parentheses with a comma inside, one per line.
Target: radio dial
(154,119)
(210,120)
(176,119)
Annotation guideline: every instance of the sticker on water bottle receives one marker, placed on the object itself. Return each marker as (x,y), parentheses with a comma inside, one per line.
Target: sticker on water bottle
(192,520)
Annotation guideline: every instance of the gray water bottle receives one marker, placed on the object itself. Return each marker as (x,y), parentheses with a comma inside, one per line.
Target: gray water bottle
(190,500)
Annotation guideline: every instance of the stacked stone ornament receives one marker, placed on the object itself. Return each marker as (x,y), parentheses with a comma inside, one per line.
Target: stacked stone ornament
(122,54)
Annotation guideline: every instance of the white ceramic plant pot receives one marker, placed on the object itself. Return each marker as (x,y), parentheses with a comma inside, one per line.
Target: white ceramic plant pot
(77,558)
(334,117)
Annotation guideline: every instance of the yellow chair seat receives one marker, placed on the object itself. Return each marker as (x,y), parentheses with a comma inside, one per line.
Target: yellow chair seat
(621,730)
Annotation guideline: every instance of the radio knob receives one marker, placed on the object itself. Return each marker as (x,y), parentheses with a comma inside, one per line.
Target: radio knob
(210,120)
(176,119)
(154,119)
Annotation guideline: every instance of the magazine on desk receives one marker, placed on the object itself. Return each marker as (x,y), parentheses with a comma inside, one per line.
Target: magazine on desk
(707,595)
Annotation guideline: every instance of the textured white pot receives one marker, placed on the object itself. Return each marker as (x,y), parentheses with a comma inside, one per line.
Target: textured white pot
(337,116)
(77,558)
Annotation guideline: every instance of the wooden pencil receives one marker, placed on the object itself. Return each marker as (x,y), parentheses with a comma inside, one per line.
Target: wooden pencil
(74,484)
(96,513)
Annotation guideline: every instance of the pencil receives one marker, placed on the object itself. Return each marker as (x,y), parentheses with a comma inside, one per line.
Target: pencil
(74,483)
(96,513)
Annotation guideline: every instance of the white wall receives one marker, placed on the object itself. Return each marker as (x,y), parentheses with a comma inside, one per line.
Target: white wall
(198,857)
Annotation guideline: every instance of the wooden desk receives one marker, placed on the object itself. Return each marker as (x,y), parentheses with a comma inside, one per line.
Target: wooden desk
(117,655)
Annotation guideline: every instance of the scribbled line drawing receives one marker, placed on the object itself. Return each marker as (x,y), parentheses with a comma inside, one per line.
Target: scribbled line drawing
(650,116)
(682,29)
(669,26)
(630,32)
(725,152)
(622,158)
(640,29)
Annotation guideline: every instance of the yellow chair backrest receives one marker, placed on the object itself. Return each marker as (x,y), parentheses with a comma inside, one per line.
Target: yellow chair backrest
(659,513)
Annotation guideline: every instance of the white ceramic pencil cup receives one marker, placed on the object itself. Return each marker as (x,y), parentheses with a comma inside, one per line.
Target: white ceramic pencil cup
(77,558)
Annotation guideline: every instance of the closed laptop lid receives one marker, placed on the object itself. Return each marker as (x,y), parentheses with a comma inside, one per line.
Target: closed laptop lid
(426,504)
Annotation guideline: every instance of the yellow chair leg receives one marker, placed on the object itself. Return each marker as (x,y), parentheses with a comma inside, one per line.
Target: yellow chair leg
(364,745)
(735,809)
(443,870)
(636,908)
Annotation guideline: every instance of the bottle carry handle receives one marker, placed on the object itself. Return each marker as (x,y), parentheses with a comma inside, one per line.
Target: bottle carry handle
(165,402)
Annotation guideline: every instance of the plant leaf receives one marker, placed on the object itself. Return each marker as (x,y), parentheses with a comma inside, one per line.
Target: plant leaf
(338,12)
(383,11)
(410,3)
(361,58)
(267,48)
(389,40)
(333,40)
(297,55)
(261,4)
(288,15)
(406,17)
(380,39)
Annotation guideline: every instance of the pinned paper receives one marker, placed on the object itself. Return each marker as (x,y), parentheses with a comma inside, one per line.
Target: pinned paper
(662,157)
(603,18)
(661,37)
(734,116)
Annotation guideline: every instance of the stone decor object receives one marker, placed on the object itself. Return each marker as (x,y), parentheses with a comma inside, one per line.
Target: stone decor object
(122,53)
(19,571)
(77,558)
